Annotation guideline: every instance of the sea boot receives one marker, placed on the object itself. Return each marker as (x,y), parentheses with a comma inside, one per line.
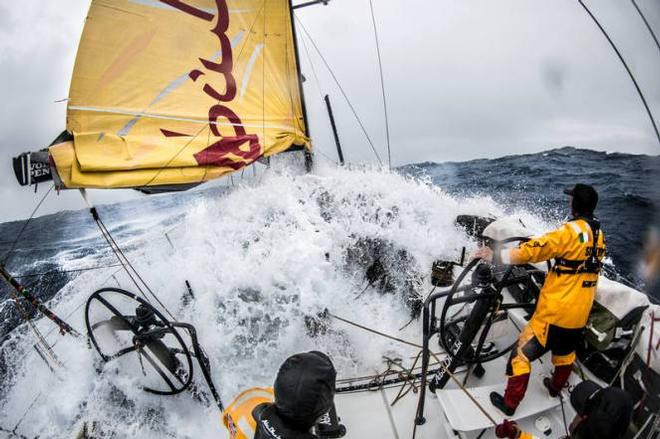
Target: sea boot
(559,379)
(514,393)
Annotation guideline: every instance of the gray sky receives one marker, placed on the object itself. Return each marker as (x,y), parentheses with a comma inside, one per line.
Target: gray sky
(463,80)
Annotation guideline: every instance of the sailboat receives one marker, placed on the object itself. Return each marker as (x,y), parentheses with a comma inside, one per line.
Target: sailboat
(169,94)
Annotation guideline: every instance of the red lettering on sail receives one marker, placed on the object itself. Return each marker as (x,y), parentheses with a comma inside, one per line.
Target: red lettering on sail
(226,66)
(227,151)
(183,7)
(168,133)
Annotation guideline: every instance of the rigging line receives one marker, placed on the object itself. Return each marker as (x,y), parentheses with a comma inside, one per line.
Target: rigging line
(13,433)
(619,277)
(324,155)
(104,233)
(382,85)
(296,71)
(137,274)
(46,273)
(121,257)
(81,304)
(15,287)
(341,89)
(25,224)
(648,26)
(35,331)
(67,316)
(464,389)
(373,331)
(206,167)
(319,88)
(311,64)
(632,77)
(123,260)
(376,375)
(166,165)
(34,401)
(409,379)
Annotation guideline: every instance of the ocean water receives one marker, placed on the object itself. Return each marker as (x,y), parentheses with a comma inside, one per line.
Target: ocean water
(628,187)
(263,259)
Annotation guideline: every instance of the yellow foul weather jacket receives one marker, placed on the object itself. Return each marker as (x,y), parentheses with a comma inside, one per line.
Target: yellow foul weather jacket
(237,417)
(569,288)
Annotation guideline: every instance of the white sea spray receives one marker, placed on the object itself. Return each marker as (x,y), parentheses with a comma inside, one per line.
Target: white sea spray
(260,259)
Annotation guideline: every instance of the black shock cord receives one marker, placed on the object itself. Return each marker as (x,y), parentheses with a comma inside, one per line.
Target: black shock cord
(632,77)
(648,26)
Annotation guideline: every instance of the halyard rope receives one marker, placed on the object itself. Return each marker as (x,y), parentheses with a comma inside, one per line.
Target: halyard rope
(25,224)
(467,393)
(121,256)
(373,331)
(382,85)
(341,89)
(446,369)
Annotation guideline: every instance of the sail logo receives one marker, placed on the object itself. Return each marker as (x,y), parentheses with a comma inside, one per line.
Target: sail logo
(229,151)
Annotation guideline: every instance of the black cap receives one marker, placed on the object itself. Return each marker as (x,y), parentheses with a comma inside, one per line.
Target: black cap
(608,411)
(305,388)
(581,394)
(585,199)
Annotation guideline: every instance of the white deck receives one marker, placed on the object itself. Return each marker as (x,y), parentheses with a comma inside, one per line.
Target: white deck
(450,413)
(463,415)
(368,415)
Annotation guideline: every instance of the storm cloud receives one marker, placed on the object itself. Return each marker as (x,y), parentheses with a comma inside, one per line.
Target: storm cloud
(463,80)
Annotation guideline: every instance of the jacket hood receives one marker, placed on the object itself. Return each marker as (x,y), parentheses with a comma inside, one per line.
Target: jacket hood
(305,388)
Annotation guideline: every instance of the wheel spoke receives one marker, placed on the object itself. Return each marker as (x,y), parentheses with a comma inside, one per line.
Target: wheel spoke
(115,323)
(160,371)
(123,352)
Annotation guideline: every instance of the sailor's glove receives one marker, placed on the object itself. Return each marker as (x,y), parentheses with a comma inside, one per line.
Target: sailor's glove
(507,429)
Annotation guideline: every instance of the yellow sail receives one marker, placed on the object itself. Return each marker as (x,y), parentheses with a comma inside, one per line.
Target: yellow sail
(176,92)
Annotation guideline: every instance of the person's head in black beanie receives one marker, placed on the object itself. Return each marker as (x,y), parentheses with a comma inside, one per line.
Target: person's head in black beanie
(584,199)
(305,388)
(602,413)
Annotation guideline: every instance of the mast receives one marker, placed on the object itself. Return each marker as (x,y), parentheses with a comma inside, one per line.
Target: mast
(340,154)
(308,155)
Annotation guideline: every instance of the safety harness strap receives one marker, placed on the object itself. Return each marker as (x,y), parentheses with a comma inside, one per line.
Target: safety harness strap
(576,266)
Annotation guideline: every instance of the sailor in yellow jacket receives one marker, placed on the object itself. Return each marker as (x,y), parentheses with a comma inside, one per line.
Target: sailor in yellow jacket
(565,300)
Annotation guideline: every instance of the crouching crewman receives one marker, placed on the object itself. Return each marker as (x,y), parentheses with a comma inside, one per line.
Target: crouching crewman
(303,393)
(601,413)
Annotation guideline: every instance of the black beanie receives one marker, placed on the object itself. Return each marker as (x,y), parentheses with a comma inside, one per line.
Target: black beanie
(608,411)
(305,388)
(585,199)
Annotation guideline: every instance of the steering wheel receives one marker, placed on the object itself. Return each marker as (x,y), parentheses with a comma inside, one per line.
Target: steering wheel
(471,308)
(145,335)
